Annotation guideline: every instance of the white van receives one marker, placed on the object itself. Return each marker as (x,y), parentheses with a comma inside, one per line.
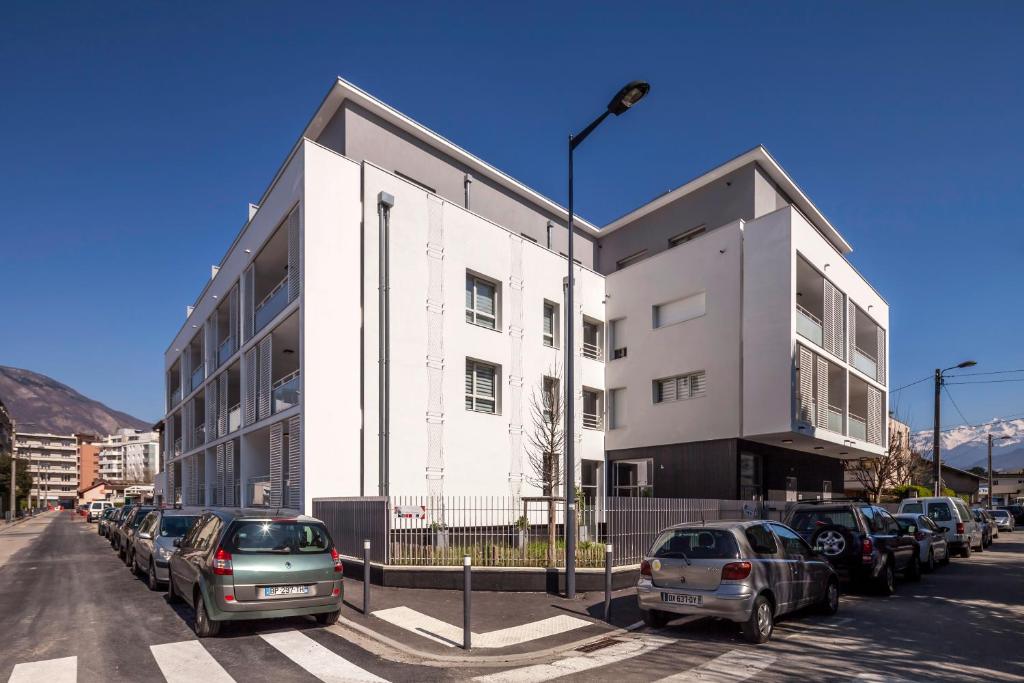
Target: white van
(963,533)
(96,509)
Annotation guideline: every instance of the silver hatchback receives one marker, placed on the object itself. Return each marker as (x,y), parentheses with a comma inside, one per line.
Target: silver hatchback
(746,572)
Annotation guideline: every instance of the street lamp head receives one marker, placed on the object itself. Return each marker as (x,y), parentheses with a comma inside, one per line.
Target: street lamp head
(967,364)
(630,94)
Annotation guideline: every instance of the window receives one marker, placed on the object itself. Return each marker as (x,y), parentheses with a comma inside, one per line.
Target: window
(592,340)
(590,475)
(680,310)
(279,537)
(684,237)
(793,544)
(552,398)
(550,324)
(591,409)
(481,302)
(809,520)
(634,478)
(617,342)
(940,512)
(696,544)
(679,387)
(761,540)
(630,260)
(481,387)
(616,408)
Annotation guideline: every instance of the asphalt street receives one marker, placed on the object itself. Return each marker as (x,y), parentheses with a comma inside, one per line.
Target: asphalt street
(73,611)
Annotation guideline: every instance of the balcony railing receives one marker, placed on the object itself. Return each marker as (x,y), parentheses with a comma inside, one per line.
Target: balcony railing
(225,350)
(591,351)
(835,419)
(286,392)
(591,421)
(272,304)
(235,417)
(199,436)
(259,491)
(176,397)
(198,375)
(865,362)
(858,427)
(808,325)
(177,446)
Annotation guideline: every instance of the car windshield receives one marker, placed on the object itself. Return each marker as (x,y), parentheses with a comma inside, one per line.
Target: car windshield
(139,516)
(806,521)
(696,544)
(175,526)
(278,537)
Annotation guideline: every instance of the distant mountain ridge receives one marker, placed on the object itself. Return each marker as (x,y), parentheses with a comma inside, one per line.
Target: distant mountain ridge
(966,447)
(43,404)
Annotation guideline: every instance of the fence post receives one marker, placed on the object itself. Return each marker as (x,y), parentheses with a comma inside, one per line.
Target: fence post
(467,591)
(608,582)
(366,577)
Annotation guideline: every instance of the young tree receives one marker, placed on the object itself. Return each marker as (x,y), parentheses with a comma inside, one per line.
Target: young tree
(545,443)
(899,465)
(23,483)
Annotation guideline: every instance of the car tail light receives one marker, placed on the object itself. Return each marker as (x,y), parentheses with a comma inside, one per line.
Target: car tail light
(645,569)
(222,563)
(866,549)
(338,567)
(336,592)
(960,528)
(229,598)
(736,571)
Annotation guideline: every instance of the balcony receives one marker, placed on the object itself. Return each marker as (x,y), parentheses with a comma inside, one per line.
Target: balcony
(235,417)
(198,375)
(865,362)
(175,396)
(225,350)
(285,392)
(858,427)
(835,419)
(592,351)
(199,436)
(177,446)
(258,489)
(272,304)
(808,325)
(592,421)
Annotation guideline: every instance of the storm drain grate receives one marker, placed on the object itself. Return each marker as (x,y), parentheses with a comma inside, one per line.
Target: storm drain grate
(598,645)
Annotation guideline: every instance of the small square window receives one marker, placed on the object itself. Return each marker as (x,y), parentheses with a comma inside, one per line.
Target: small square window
(481,387)
(481,302)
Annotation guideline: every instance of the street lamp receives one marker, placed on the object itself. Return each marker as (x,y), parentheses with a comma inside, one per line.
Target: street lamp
(998,438)
(628,96)
(939,379)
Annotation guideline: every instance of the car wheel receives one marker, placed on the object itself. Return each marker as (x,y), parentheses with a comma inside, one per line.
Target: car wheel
(835,541)
(966,552)
(655,618)
(913,570)
(830,601)
(887,579)
(758,628)
(129,559)
(151,580)
(328,618)
(930,566)
(172,595)
(204,626)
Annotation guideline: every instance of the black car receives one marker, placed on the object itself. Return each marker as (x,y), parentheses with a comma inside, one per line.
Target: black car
(1017,511)
(128,528)
(864,543)
(114,527)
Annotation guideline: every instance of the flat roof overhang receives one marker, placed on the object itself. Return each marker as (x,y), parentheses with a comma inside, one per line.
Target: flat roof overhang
(820,442)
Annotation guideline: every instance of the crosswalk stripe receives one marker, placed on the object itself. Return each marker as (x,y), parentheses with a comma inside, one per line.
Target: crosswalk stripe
(63,670)
(735,665)
(422,624)
(317,659)
(572,665)
(451,636)
(187,662)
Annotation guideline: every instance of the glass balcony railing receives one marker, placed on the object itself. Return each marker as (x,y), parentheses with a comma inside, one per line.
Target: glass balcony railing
(858,427)
(235,418)
(259,491)
(272,304)
(176,397)
(835,419)
(177,446)
(198,375)
(286,392)
(199,436)
(808,326)
(865,362)
(225,350)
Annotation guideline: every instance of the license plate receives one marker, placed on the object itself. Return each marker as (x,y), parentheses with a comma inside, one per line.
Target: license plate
(682,599)
(274,591)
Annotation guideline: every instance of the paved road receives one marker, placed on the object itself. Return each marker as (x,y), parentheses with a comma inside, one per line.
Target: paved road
(74,612)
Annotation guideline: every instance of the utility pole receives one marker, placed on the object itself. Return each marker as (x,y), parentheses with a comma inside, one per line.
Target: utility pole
(989,471)
(14,466)
(935,434)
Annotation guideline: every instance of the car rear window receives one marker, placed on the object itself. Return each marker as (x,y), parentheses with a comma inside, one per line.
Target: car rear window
(807,521)
(913,507)
(176,526)
(282,537)
(1001,514)
(940,512)
(139,516)
(696,544)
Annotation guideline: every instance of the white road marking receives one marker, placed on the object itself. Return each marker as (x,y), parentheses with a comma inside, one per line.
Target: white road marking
(317,659)
(571,665)
(451,636)
(63,670)
(187,662)
(735,665)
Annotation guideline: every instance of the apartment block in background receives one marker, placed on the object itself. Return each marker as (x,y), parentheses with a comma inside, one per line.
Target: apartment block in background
(88,459)
(130,455)
(52,460)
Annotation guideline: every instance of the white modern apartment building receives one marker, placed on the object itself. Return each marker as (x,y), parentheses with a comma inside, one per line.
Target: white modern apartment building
(52,460)
(130,455)
(387,315)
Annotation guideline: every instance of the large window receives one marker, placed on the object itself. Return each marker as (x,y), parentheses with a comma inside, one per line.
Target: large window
(550,324)
(679,387)
(634,478)
(590,478)
(680,310)
(481,387)
(616,408)
(481,302)
(617,338)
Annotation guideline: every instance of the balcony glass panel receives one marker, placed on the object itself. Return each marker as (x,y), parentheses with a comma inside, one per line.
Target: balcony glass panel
(286,392)
(177,446)
(835,419)
(807,325)
(235,418)
(272,304)
(259,491)
(198,375)
(865,363)
(176,397)
(199,436)
(225,350)
(858,427)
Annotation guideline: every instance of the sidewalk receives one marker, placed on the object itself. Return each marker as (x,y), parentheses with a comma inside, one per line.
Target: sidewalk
(428,623)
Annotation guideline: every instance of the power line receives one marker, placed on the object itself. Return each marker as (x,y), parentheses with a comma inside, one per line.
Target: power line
(923,379)
(987,381)
(951,400)
(992,372)
(998,420)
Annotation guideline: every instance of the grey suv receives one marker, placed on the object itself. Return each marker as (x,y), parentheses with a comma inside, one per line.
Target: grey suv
(254,564)
(150,555)
(126,531)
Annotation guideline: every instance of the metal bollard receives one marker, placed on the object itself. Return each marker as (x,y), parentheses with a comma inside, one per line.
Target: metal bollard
(467,591)
(366,577)
(608,583)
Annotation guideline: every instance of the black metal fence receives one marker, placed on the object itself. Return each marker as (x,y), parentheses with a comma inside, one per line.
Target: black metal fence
(354,520)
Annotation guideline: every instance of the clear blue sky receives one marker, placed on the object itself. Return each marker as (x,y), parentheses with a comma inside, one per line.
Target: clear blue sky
(133,135)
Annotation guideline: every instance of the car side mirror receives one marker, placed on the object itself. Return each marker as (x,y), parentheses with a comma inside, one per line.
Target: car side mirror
(177,543)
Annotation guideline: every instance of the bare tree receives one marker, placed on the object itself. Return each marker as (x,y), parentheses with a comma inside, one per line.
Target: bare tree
(545,443)
(898,466)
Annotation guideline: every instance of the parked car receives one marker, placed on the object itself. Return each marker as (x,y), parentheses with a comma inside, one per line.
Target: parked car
(128,530)
(988,526)
(114,525)
(747,572)
(104,522)
(862,541)
(82,509)
(933,549)
(963,533)
(154,543)
(1004,520)
(249,564)
(1017,511)
(96,509)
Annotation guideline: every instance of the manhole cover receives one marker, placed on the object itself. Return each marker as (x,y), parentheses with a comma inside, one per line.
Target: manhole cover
(598,645)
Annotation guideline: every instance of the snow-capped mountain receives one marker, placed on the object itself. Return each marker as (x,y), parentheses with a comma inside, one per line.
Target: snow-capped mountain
(966,446)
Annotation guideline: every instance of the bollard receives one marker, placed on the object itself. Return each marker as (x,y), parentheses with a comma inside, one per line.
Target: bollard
(467,591)
(608,583)
(366,577)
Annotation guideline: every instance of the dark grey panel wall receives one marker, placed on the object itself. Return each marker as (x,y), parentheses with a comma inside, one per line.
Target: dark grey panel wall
(702,469)
(810,470)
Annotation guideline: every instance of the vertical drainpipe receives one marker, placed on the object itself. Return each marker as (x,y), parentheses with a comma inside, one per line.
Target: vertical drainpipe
(384,203)
(550,225)
(466,182)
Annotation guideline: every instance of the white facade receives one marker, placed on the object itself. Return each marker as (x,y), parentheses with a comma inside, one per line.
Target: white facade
(130,455)
(52,460)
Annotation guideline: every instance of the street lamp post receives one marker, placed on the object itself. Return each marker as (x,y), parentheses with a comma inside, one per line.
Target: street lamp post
(937,463)
(629,95)
(999,438)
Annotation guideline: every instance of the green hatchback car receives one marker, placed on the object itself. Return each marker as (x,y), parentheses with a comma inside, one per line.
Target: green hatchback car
(251,564)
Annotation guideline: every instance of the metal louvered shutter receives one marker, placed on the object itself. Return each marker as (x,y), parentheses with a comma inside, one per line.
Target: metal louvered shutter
(822,393)
(295,499)
(294,273)
(218,495)
(805,387)
(194,480)
(698,384)
(210,344)
(851,331)
(874,427)
(186,373)
(667,390)
(248,305)
(230,475)
(828,328)
(210,395)
(881,356)
(188,426)
(222,404)
(249,386)
(233,332)
(263,407)
(276,438)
